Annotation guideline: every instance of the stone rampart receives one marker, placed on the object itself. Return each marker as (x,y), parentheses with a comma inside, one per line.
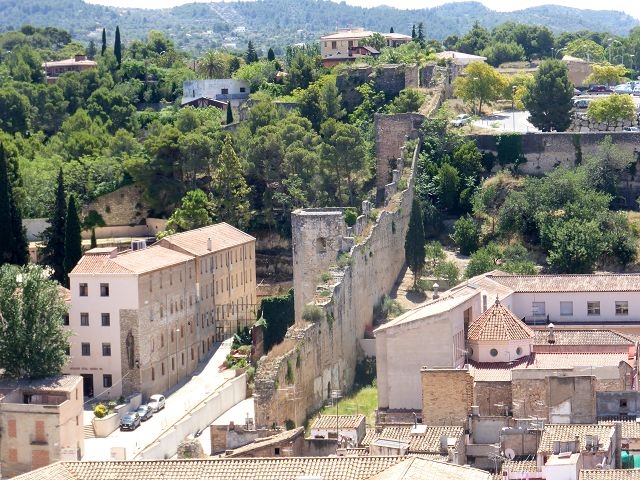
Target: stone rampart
(321,350)
(121,207)
(546,151)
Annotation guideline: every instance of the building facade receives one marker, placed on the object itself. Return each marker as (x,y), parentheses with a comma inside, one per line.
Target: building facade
(345,40)
(79,63)
(41,422)
(143,319)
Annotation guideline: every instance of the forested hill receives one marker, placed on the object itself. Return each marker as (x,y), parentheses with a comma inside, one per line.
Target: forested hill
(198,27)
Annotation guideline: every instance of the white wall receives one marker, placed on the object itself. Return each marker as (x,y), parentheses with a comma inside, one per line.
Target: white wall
(401,351)
(522,306)
(123,294)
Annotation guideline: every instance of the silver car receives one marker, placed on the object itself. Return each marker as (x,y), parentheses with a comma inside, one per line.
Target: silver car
(156,402)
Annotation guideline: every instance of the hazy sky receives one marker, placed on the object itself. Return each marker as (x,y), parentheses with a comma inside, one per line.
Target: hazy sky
(632,7)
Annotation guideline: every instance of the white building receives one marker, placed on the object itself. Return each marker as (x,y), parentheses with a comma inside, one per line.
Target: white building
(144,318)
(222,89)
(340,42)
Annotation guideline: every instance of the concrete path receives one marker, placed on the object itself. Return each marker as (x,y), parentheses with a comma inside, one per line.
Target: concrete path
(181,399)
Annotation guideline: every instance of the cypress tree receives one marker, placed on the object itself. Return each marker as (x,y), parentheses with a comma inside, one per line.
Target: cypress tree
(117,47)
(391,30)
(270,55)
(229,113)
(414,248)
(94,240)
(251,55)
(53,251)
(13,241)
(72,239)
(104,42)
(413,32)
(91,50)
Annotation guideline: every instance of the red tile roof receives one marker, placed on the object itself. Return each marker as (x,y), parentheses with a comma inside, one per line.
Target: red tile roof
(327,422)
(498,323)
(282,468)
(195,242)
(569,283)
(131,262)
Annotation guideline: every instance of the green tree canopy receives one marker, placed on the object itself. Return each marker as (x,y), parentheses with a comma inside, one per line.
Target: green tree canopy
(33,341)
(549,98)
(196,210)
(72,238)
(480,84)
(612,108)
(53,250)
(414,244)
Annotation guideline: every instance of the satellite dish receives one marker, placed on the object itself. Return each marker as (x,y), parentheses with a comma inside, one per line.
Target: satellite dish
(509,453)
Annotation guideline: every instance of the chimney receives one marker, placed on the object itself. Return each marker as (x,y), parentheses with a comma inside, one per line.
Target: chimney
(79,58)
(209,244)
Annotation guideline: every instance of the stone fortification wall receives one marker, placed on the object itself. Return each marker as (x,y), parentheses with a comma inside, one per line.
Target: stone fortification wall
(581,123)
(546,151)
(319,354)
(122,207)
(390,79)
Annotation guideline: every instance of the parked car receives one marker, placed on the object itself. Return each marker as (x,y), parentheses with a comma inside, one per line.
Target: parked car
(581,103)
(624,88)
(130,421)
(461,120)
(599,89)
(156,402)
(145,412)
(631,129)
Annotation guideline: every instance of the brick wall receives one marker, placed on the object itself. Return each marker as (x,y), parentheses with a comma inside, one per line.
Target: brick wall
(447,396)
(491,397)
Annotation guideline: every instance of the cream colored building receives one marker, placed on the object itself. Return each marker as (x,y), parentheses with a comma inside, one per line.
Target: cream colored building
(41,422)
(340,42)
(144,318)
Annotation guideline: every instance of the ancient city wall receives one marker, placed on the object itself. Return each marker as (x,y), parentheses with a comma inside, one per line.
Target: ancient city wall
(320,352)
(546,151)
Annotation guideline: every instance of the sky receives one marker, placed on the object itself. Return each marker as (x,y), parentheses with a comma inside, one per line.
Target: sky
(632,7)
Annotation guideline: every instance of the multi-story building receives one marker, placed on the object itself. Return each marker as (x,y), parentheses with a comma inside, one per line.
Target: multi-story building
(144,318)
(40,423)
(344,44)
(79,63)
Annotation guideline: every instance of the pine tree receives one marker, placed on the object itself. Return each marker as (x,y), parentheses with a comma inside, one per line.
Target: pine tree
(104,42)
(117,47)
(251,55)
(270,55)
(91,50)
(414,244)
(53,251)
(231,188)
(229,113)
(72,238)
(13,240)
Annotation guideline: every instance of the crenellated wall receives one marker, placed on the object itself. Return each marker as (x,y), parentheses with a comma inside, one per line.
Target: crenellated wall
(320,355)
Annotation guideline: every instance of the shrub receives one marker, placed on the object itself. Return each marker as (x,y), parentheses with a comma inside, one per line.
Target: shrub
(325,277)
(350,216)
(100,411)
(289,424)
(344,260)
(312,313)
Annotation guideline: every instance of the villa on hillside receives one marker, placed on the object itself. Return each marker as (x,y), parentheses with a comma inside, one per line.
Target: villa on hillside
(344,45)
(79,63)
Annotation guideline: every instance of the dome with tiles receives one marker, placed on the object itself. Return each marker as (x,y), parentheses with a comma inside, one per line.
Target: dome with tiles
(497,335)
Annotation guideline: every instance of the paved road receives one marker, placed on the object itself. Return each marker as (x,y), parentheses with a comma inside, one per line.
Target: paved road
(507,121)
(180,400)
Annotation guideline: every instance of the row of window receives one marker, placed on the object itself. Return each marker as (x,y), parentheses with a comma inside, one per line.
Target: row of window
(593,308)
(84,290)
(85,349)
(84,319)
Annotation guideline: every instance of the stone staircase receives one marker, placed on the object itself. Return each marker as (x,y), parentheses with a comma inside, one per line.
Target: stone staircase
(89,432)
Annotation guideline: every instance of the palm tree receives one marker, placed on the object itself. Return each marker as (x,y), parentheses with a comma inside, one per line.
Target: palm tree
(211,65)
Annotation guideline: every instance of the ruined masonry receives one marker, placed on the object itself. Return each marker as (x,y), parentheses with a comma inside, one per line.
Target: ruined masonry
(334,305)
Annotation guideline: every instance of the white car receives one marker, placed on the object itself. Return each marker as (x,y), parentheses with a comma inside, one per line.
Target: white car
(461,120)
(624,88)
(156,402)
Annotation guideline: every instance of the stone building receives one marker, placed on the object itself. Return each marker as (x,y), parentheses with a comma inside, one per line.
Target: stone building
(142,319)
(336,46)
(41,422)
(79,63)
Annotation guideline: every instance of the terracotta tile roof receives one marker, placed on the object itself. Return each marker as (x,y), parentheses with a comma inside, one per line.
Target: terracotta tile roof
(288,436)
(520,466)
(328,422)
(283,468)
(501,371)
(222,235)
(627,474)
(131,262)
(369,437)
(498,323)
(629,429)
(565,432)
(429,442)
(418,468)
(582,336)
(570,283)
